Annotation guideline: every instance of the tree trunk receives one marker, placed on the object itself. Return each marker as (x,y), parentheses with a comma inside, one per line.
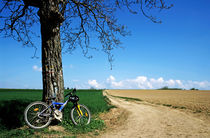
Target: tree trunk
(52,73)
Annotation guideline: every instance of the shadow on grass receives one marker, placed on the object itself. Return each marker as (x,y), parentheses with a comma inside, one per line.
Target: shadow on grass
(12,113)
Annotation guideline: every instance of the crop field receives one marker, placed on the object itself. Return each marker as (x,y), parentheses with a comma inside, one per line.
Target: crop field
(197,101)
(14,101)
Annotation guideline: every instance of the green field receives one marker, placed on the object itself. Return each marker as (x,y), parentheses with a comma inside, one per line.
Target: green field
(14,101)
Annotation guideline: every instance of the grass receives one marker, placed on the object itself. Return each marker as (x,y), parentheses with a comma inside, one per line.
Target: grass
(20,94)
(18,133)
(168,105)
(128,98)
(14,101)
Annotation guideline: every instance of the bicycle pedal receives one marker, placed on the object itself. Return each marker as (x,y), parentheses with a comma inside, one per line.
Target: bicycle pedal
(58,115)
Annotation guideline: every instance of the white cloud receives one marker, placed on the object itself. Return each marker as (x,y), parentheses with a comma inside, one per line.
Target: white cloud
(94,83)
(141,79)
(139,82)
(170,83)
(36,68)
(111,78)
(117,84)
(111,81)
(142,82)
(197,84)
(160,80)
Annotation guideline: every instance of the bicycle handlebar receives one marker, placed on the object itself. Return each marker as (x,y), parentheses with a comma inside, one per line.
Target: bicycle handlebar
(70,93)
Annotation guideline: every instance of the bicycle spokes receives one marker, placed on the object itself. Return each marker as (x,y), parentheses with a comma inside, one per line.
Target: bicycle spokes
(37,115)
(80,115)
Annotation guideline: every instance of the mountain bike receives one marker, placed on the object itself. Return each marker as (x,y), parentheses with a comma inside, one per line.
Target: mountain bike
(39,114)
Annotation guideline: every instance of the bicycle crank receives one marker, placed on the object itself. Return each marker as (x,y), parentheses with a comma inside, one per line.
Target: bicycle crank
(58,115)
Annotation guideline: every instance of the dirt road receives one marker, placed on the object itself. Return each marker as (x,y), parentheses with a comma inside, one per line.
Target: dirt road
(155,121)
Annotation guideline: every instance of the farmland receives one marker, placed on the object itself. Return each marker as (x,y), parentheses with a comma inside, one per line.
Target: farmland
(197,101)
(168,117)
(155,116)
(14,101)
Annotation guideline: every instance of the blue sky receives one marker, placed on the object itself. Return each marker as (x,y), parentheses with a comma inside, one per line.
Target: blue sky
(175,53)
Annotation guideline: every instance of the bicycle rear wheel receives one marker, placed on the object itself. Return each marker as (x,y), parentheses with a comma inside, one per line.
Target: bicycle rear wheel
(37,115)
(80,115)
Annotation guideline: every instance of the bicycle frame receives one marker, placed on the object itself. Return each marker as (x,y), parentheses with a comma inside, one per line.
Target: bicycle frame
(62,104)
(53,104)
(72,98)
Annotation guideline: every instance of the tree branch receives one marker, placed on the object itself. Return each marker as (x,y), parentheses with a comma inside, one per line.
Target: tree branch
(18,16)
(33,3)
(81,21)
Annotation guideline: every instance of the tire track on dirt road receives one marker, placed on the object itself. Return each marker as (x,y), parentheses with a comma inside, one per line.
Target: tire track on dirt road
(154,121)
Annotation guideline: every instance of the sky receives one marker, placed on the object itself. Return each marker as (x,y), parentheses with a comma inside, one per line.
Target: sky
(175,53)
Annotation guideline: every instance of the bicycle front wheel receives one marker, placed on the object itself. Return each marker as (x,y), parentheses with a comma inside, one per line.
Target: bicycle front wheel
(37,115)
(80,115)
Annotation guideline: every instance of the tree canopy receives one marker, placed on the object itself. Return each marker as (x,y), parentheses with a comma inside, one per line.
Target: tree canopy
(78,19)
(66,25)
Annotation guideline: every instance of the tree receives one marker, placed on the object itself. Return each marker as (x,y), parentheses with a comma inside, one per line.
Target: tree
(70,22)
(193,89)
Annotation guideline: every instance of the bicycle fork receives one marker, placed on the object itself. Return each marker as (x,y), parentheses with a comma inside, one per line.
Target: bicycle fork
(79,111)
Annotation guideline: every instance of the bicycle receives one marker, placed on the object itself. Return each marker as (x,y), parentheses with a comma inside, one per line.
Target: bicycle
(39,114)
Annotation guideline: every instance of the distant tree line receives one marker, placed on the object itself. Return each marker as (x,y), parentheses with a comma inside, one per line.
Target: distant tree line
(167,88)
(194,89)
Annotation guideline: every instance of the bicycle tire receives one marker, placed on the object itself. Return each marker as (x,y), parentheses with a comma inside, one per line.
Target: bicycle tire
(78,119)
(32,113)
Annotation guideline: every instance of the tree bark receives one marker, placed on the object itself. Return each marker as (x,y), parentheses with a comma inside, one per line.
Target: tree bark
(52,72)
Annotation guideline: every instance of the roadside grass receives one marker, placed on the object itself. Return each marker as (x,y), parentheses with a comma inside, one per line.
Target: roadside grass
(96,103)
(18,133)
(128,98)
(175,107)
(167,105)
(14,101)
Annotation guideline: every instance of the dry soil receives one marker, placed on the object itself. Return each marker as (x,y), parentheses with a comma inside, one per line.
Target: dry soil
(147,120)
